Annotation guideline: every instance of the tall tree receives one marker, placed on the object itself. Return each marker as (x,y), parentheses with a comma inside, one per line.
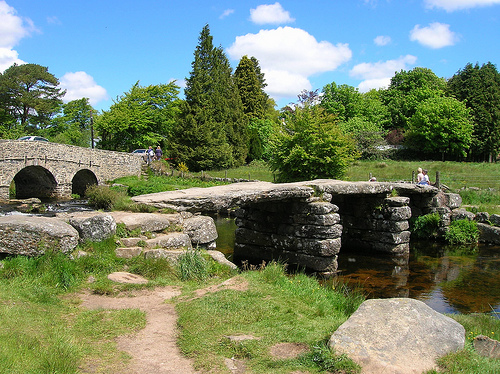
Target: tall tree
(211,132)
(141,117)
(30,96)
(407,90)
(479,88)
(250,82)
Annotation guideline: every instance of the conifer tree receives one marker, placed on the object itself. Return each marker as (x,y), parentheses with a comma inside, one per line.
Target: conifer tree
(250,82)
(479,87)
(211,131)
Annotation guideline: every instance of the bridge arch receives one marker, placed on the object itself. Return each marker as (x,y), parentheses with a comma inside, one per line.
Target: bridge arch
(35,181)
(82,179)
(36,166)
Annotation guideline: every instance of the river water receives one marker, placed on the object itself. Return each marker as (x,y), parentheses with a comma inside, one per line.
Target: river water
(449,279)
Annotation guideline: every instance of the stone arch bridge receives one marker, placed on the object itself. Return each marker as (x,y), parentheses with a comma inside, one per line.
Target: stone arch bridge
(52,170)
(307,223)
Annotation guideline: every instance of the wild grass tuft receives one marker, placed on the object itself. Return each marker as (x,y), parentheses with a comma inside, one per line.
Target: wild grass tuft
(192,266)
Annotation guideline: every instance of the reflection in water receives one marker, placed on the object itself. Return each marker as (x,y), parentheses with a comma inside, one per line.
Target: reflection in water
(450,279)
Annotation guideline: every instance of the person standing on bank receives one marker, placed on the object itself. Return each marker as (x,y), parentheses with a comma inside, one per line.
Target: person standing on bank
(158,153)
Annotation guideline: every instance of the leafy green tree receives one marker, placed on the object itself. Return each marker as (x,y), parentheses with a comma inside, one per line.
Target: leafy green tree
(361,116)
(29,96)
(211,132)
(479,88)
(310,145)
(139,118)
(441,125)
(407,90)
(368,135)
(73,126)
(344,101)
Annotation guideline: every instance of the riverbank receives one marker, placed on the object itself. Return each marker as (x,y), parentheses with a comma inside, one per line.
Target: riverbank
(46,327)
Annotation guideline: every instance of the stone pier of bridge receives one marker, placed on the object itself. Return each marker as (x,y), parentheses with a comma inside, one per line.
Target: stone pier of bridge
(309,223)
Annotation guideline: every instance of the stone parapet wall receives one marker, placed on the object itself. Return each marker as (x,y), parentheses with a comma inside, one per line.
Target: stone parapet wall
(63,162)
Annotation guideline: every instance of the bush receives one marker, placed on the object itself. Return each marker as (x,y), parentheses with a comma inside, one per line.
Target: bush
(462,232)
(426,226)
(311,146)
(102,197)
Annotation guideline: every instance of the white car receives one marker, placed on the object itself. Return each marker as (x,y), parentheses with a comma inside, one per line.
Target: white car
(39,138)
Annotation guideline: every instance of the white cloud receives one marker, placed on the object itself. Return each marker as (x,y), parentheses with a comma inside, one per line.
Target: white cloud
(8,57)
(288,56)
(379,74)
(436,35)
(382,40)
(270,14)
(452,5)
(79,85)
(226,13)
(12,29)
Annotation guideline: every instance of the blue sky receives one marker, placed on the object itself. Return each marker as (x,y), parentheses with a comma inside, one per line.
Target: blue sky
(100,48)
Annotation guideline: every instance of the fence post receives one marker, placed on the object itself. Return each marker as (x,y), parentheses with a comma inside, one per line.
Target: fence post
(413,176)
(438,182)
(370,175)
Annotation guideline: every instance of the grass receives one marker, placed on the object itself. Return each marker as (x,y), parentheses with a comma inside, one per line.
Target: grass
(477,183)
(276,308)
(44,330)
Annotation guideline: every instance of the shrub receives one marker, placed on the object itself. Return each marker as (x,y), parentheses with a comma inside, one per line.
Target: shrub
(462,232)
(102,197)
(426,226)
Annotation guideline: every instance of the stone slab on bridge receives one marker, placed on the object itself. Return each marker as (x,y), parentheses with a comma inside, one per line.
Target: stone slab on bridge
(307,223)
(222,198)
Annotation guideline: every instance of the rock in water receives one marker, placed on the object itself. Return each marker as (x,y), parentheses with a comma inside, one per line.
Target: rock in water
(397,336)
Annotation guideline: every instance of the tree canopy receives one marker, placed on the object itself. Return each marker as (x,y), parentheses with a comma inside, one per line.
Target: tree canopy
(407,90)
(141,117)
(29,97)
(310,145)
(441,125)
(73,126)
(479,88)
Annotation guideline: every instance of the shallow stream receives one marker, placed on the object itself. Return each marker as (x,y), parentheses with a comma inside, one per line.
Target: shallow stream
(450,279)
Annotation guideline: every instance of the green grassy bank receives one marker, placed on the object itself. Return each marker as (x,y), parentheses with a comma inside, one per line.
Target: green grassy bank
(45,330)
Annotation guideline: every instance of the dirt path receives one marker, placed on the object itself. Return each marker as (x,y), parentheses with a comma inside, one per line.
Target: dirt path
(153,349)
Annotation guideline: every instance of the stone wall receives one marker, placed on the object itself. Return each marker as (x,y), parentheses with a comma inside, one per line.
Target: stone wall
(62,162)
(298,232)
